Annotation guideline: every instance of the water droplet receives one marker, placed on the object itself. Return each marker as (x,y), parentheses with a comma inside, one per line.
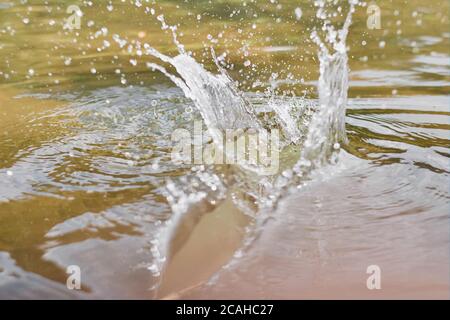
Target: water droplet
(298,13)
(153,268)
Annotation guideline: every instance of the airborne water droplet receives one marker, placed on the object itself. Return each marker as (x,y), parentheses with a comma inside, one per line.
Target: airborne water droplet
(298,13)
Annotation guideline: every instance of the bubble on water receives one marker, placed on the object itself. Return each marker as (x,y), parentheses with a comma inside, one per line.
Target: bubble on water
(93,71)
(31,72)
(67,61)
(26,20)
(52,22)
(9,173)
(336,146)
(394,92)
(382,44)
(247,63)
(133,62)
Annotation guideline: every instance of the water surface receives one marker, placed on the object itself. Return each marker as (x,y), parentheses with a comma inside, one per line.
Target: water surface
(85,155)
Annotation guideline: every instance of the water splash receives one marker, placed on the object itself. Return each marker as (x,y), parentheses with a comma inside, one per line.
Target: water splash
(216,96)
(223,106)
(326,131)
(327,128)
